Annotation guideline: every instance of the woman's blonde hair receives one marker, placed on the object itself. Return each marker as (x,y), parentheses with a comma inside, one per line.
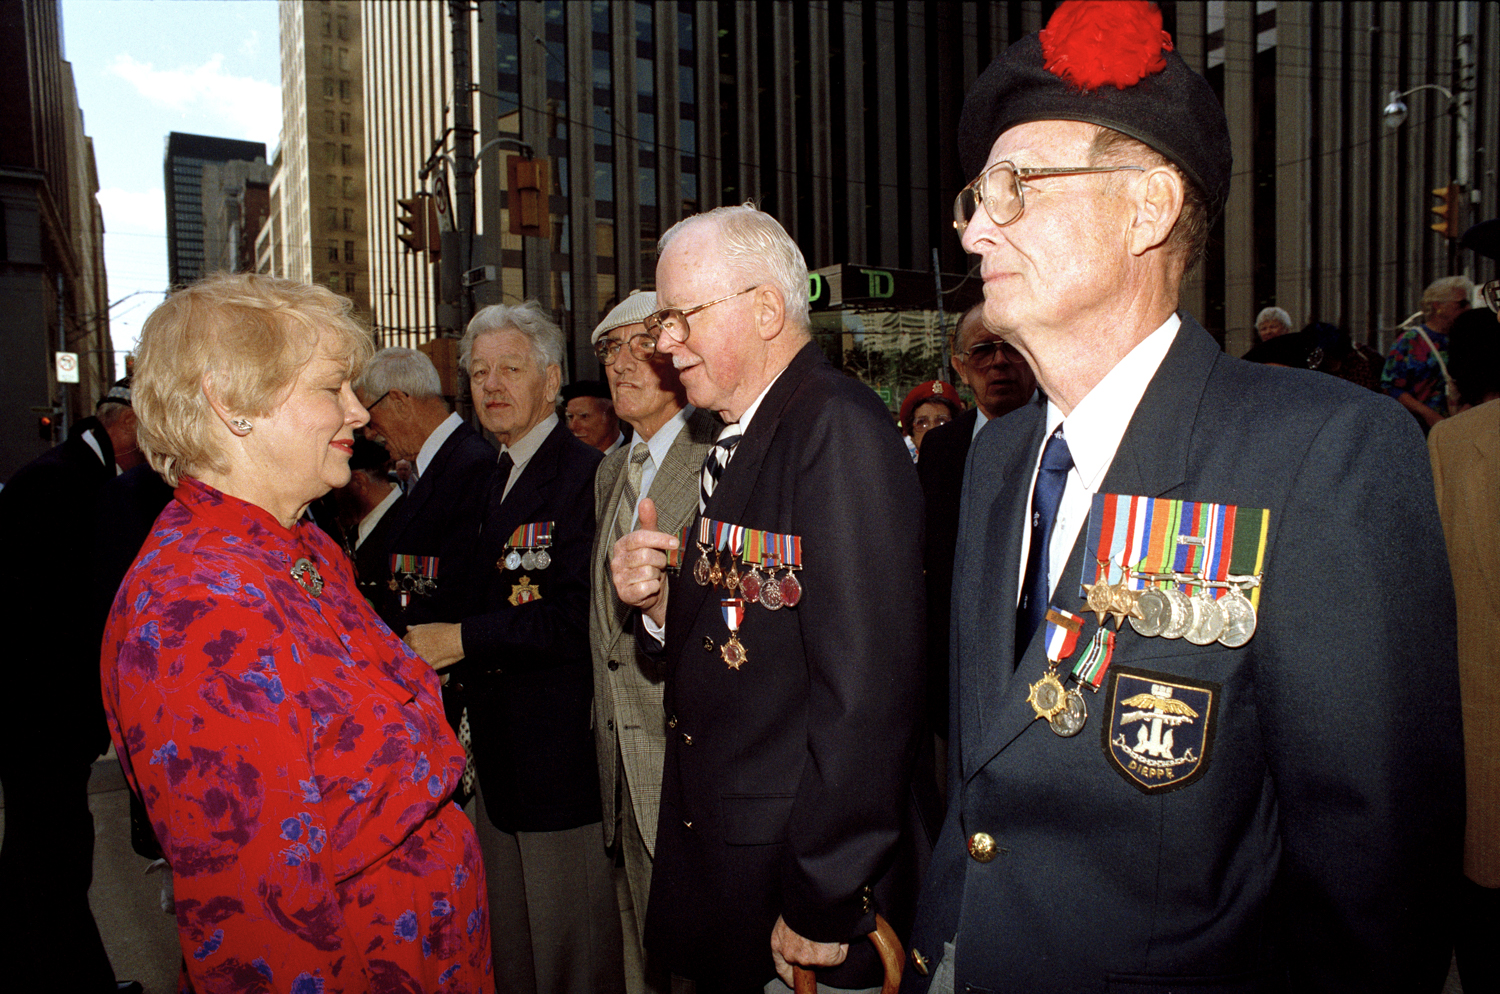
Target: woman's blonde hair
(247,334)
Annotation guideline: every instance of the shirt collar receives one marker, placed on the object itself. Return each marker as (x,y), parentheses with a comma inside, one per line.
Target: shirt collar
(659,443)
(1097,424)
(744,421)
(522,450)
(435,441)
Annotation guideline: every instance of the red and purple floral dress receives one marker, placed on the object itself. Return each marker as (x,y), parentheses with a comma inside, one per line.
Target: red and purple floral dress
(294,760)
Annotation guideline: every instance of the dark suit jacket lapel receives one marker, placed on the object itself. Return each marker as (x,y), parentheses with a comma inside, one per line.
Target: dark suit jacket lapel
(526,497)
(1152,461)
(410,507)
(732,495)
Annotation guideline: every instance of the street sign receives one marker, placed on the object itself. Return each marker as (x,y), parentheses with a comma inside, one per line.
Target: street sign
(67,367)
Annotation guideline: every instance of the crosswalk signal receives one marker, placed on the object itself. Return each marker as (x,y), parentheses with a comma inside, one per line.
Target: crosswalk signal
(527,196)
(1447,210)
(45,426)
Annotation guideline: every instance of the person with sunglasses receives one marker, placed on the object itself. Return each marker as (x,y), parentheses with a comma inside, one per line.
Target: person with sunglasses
(1156,784)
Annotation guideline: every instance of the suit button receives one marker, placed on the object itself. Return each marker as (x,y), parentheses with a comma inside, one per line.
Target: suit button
(687,739)
(672,721)
(613,664)
(919,962)
(982,847)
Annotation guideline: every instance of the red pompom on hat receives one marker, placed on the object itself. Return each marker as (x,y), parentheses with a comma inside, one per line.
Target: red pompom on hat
(1092,43)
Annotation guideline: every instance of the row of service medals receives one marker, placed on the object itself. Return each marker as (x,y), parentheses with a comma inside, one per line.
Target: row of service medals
(413,575)
(1176,569)
(526,549)
(763,555)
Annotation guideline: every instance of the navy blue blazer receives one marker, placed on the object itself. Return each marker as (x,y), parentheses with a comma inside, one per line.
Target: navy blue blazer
(1312,847)
(526,665)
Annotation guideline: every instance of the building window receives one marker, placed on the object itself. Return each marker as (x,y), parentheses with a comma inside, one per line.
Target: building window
(327,25)
(327,56)
(348,282)
(344,59)
(330,154)
(348,187)
(328,88)
(343,89)
(333,219)
(333,250)
(331,185)
(345,155)
(328,121)
(348,219)
(344,123)
(348,251)
(343,28)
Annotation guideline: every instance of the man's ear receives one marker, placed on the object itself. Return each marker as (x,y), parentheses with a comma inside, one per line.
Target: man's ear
(222,412)
(1158,204)
(769,312)
(554,382)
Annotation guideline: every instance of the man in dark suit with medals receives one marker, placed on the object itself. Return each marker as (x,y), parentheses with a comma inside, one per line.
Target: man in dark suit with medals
(1206,715)
(522,654)
(427,533)
(794,686)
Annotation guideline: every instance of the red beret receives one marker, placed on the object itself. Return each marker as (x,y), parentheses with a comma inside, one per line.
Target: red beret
(931,390)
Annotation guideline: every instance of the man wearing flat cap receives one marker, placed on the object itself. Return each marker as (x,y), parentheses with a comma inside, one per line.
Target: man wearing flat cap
(630,725)
(1205,726)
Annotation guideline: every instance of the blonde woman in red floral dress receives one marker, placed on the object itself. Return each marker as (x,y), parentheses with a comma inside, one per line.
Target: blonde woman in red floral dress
(291,752)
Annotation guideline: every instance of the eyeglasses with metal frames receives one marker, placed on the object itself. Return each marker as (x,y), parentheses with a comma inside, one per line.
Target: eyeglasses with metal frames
(1000,189)
(642,346)
(984,354)
(377,401)
(673,321)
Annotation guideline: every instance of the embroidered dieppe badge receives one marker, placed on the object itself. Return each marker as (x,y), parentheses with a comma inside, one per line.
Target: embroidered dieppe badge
(1159,729)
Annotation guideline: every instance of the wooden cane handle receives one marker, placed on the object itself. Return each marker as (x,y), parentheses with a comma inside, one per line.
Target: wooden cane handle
(886,944)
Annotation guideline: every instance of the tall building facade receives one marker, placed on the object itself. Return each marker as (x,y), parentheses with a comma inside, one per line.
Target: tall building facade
(840,118)
(321,221)
(186,157)
(53,294)
(236,203)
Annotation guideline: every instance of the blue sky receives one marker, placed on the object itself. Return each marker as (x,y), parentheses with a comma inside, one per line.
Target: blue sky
(147,67)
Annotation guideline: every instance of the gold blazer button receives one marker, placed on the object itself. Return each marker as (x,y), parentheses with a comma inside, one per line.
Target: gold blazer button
(982,847)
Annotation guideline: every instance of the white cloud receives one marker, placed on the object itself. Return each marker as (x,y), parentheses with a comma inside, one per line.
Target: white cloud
(248,108)
(134,212)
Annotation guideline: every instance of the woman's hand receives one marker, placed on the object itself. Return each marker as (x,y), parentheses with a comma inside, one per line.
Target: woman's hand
(440,644)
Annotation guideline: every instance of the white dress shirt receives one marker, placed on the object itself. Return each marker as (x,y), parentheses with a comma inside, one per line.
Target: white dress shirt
(434,442)
(525,447)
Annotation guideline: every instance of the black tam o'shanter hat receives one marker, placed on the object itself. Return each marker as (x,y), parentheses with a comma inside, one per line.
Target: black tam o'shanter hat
(1105,62)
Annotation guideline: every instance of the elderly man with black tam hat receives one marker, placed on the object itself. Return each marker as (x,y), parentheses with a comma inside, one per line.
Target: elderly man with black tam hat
(1205,715)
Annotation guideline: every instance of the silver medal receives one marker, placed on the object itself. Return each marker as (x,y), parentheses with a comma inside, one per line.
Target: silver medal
(1070,720)
(513,559)
(528,559)
(1155,612)
(1180,614)
(1208,619)
(543,559)
(1240,614)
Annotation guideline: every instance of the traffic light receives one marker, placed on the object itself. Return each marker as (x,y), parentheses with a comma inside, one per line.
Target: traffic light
(413,218)
(45,424)
(419,217)
(1447,210)
(527,198)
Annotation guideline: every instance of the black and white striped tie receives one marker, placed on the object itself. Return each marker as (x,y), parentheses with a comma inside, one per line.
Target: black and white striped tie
(715,461)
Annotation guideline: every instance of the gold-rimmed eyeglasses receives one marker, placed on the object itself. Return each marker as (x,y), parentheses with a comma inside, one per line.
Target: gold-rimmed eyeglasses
(1000,188)
(673,322)
(983,354)
(642,346)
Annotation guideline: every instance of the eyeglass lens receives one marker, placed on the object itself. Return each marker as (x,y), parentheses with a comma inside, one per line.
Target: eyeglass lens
(997,190)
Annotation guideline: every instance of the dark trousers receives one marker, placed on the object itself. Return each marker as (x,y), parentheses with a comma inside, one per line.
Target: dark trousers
(46,867)
(1476,936)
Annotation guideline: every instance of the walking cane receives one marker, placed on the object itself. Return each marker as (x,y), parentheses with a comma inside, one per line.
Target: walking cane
(886,944)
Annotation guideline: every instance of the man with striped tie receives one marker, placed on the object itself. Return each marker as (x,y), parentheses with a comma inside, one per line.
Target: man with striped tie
(660,470)
(792,635)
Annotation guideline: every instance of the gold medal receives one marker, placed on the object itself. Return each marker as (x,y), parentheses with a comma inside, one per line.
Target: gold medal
(733,652)
(1047,696)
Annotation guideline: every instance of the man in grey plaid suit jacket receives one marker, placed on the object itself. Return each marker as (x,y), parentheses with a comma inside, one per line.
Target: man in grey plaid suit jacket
(662,464)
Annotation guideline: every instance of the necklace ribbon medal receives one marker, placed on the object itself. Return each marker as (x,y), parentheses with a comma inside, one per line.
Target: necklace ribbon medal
(733,651)
(527,547)
(1175,568)
(413,575)
(1064,710)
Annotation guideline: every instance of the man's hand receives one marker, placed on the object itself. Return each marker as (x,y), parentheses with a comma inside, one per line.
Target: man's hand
(638,566)
(440,644)
(789,949)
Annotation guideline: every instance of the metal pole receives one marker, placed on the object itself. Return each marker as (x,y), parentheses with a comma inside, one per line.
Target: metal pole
(945,370)
(62,346)
(463,168)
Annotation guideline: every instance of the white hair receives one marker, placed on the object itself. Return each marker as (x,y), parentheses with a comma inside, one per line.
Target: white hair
(407,370)
(529,319)
(1274,314)
(756,249)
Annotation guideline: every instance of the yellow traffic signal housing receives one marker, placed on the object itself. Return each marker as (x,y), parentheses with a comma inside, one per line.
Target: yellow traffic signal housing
(527,196)
(419,217)
(1447,210)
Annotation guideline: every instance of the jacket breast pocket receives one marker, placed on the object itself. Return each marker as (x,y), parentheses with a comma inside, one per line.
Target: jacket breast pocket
(755,819)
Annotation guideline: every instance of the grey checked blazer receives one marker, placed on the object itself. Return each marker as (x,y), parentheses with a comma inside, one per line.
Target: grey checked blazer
(628,715)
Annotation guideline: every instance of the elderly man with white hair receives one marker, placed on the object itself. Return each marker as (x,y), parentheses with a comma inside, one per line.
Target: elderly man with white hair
(521,653)
(793,634)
